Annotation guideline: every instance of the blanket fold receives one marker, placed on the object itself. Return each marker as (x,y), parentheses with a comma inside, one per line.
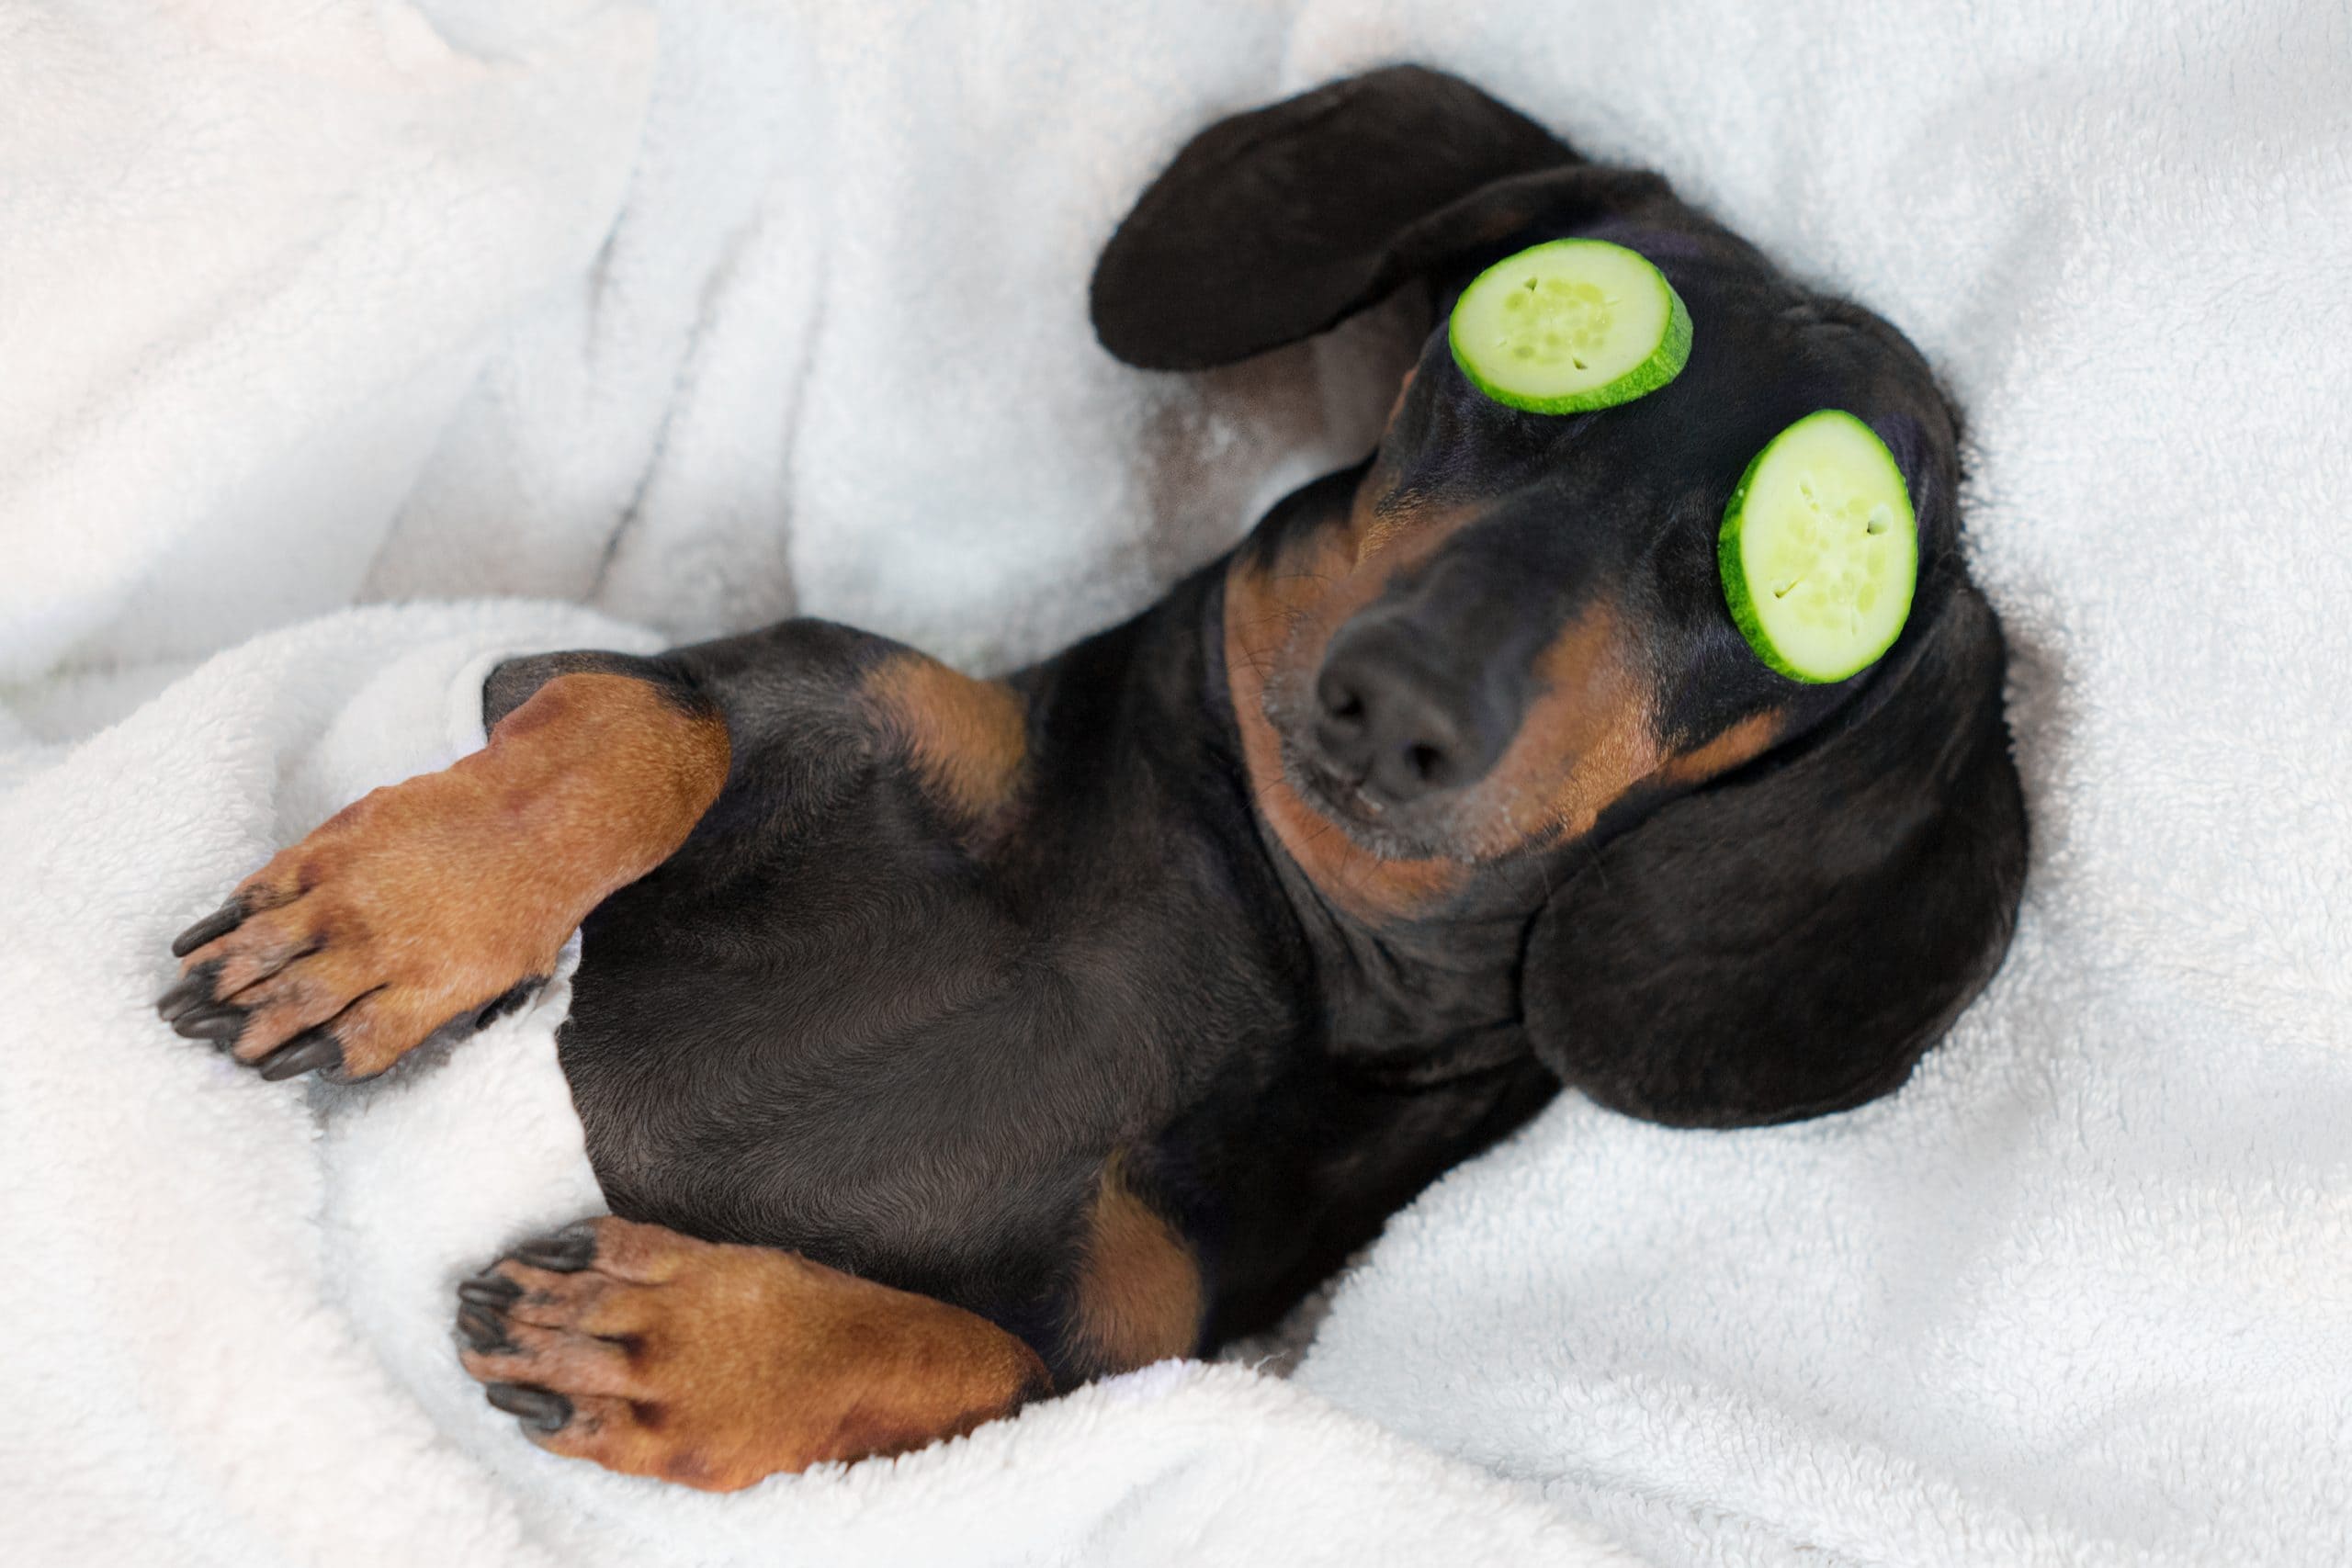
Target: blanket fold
(320,322)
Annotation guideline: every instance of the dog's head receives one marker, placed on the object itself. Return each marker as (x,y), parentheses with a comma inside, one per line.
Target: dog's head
(1500,656)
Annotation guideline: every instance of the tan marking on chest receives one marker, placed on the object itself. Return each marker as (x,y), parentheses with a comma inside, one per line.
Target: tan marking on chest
(967,740)
(1138,1297)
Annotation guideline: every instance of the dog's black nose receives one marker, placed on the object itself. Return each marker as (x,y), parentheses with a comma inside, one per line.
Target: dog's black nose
(1389,716)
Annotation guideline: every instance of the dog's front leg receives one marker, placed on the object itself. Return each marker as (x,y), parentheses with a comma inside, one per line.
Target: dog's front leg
(447,894)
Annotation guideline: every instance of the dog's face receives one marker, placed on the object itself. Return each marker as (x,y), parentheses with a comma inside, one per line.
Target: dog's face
(1519,625)
(1506,637)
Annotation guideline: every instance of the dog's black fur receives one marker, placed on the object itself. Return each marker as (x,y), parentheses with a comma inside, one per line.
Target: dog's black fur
(827,1024)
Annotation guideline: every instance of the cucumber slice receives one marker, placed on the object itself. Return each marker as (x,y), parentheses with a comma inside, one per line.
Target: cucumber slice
(1819,550)
(1570,325)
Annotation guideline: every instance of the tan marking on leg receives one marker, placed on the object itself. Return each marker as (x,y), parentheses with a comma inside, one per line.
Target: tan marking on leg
(435,895)
(967,740)
(716,1366)
(1138,1297)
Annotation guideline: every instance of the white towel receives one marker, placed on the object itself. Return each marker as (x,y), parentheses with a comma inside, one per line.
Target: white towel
(699,313)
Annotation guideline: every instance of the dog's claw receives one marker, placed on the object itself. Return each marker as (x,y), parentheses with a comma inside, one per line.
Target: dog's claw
(189,989)
(568,1251)
(488,1289)
(533,1406)
(311,1048)
(220,922)
(215,1021)
(481,1328)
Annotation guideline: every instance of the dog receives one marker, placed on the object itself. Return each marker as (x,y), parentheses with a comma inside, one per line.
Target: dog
(942,1042)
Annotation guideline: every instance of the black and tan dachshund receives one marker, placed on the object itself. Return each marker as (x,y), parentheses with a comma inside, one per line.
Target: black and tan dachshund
(941,1043)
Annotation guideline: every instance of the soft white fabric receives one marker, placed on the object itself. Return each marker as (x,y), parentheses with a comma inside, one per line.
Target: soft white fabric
(704,315)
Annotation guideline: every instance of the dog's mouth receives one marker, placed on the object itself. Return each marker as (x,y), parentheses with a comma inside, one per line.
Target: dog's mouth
(1391,831)
(1339,798)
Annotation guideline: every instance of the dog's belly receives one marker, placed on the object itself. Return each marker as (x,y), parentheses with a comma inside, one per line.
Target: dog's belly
(890,1079)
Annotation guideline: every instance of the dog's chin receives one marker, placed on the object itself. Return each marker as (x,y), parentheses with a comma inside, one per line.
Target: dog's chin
(1392,833)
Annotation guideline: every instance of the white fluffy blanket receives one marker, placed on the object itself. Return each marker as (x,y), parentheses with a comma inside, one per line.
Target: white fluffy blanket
(700,312)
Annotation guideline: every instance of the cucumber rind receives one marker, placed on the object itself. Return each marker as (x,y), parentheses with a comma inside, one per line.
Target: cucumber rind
(1660,366)
(1732,567)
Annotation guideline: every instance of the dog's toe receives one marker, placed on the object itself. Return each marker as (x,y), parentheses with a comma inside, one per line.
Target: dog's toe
(567,1251)
(190,992)
(489,1291)
(483,1327)
(314,1049)
(218,924)
(216,1021)
(535,1408)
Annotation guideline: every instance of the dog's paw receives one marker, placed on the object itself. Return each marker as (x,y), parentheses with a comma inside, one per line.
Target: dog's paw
(404,913)
(714,1365)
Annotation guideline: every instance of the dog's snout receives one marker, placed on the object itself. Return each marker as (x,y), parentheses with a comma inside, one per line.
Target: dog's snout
(1394,720)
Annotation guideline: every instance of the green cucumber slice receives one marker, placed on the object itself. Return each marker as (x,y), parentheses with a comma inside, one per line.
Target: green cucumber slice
(1820,549)
(1569,326)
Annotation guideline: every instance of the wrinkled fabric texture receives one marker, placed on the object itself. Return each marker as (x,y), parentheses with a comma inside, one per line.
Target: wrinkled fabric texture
(617,324)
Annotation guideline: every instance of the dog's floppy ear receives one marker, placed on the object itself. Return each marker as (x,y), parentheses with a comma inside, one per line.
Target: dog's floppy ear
(1272,225)
(1788,941)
